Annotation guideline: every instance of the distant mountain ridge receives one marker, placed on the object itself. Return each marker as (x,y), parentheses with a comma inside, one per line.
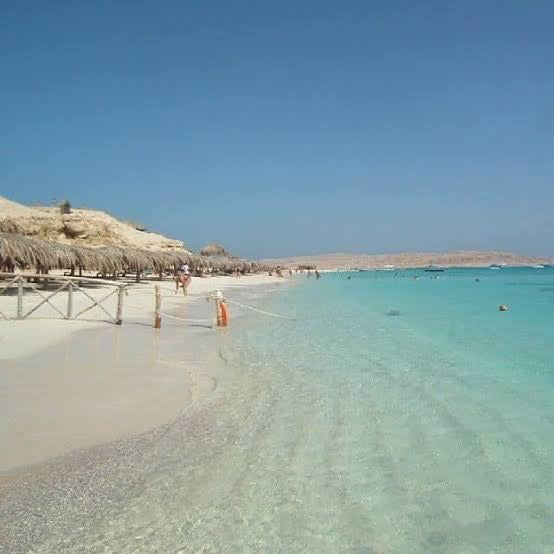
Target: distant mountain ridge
(457,258)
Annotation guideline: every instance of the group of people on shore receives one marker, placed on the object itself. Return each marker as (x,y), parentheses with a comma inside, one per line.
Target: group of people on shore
(183,276)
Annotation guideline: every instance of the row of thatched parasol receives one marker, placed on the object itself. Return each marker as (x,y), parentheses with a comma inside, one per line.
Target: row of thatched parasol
(28,252)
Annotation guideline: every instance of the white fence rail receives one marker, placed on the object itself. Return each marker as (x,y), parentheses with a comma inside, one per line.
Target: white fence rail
(73,285)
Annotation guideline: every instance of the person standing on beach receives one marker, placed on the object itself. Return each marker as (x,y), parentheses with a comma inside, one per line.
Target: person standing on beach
(183,278)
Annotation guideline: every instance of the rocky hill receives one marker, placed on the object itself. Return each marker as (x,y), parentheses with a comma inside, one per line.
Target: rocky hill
(79,226)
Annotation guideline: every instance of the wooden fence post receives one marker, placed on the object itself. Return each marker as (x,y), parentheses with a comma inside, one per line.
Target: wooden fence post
(20,298)
(120,296)
(217,312)
(69,300)
(158,315)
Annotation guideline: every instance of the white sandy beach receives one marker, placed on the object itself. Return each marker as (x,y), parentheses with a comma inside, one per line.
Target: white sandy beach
(66,385)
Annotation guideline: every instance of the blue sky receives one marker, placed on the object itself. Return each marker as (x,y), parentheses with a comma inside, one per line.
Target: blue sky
(290,127)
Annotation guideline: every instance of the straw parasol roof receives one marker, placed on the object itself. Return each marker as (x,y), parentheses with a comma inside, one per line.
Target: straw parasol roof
(215,256)
(30,252)
(23,251)
(214,249)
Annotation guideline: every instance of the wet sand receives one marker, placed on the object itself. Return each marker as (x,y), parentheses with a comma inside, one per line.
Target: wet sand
(50,506)
(102,385)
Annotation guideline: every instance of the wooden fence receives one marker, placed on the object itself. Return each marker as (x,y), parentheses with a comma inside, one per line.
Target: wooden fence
(72,285)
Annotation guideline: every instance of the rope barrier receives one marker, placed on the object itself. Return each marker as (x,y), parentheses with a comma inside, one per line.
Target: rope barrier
(259,311)
(173,316)
(173,291)
(214,296)
(138,287)
(187,320)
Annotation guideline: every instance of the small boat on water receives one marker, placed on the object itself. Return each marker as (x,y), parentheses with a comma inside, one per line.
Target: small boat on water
(538,266)
(495,266)
(434,269)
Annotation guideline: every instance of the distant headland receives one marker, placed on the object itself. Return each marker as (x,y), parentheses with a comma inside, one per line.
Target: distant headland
(458,258)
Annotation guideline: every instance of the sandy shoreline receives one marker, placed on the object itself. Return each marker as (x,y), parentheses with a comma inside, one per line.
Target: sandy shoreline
(45,328)
(69,385)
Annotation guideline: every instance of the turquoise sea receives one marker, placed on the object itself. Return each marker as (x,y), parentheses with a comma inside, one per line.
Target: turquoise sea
(395,414)
(415,417)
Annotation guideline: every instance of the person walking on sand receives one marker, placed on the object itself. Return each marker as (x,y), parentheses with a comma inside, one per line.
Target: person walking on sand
(183,278)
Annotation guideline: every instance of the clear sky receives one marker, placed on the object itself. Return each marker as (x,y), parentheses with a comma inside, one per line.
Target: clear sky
(288,127)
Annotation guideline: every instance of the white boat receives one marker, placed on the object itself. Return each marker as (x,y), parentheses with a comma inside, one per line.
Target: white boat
(538,266)
(434,269)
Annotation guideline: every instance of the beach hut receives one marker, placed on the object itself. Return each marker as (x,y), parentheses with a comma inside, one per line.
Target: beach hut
(65,207)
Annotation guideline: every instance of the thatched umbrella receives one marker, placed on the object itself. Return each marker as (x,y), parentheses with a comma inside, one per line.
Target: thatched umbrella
(214,249)
(106,259)
(92,259)
(62,256)
(138,259)
(17,250)
(21,251)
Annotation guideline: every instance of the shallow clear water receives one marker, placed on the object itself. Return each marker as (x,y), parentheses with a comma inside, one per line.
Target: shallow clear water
(395,415)
(426,415)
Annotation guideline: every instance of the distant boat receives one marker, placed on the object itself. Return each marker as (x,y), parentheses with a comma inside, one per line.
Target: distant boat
(538,266)
(495,266)
(434,269)
(388,268)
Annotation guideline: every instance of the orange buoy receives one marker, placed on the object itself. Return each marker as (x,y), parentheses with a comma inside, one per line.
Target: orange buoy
(223,316)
